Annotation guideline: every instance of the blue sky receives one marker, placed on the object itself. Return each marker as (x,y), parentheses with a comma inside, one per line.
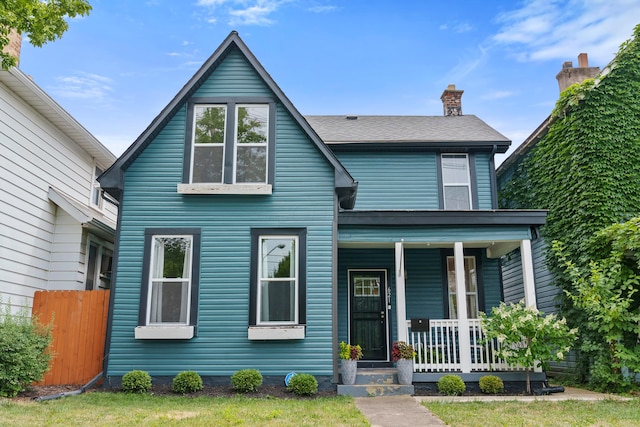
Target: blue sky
(116,69)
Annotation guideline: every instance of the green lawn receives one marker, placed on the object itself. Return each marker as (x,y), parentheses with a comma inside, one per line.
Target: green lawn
(119,409)
(571,413)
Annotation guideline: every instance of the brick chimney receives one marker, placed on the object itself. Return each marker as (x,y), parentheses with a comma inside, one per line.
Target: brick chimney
(569,75)
(15,42)
(452,101)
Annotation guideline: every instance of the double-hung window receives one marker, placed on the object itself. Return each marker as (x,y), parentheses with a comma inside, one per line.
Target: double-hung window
(456,182)
(168,303)
(471,284)
(278,284)
(229,147)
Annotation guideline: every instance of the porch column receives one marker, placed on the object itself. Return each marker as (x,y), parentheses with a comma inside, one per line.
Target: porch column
(464,340)
(527,273)
(401,306)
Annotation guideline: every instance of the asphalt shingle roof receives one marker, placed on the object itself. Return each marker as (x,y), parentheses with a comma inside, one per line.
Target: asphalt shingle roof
(455,129)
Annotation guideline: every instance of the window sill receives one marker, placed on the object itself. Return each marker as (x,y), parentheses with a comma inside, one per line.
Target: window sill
(276,332)
(203,188)
(164,332)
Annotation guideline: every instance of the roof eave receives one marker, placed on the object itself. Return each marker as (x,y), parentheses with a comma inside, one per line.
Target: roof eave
(52,111)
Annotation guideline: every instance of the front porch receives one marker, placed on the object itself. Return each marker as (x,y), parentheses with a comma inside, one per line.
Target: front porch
(438,349)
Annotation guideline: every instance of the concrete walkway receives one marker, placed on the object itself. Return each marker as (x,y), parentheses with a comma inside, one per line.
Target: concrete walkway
(396,411)
(406,411)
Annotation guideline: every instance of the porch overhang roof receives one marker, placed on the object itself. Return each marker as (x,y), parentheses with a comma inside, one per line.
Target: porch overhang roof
(500,217)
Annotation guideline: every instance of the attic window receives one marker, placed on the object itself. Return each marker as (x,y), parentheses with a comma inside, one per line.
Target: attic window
(229,147)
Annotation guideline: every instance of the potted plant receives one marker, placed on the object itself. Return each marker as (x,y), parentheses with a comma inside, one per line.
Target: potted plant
(349,356)
(403,355)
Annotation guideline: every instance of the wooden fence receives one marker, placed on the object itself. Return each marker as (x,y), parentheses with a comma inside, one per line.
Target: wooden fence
(79,330)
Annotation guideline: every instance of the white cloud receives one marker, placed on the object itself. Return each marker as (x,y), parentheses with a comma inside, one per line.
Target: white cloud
(552,29)
(212,2)
(499,94)
(84,86)
(322,9)
(254,15)
(242,12)
(459,27)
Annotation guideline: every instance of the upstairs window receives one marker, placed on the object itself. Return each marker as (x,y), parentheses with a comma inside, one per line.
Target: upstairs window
(208,143)
(230,144)
(96,191)
(456,182)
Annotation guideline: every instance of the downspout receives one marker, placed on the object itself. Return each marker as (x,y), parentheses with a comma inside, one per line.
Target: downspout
(494,178)
(81,390)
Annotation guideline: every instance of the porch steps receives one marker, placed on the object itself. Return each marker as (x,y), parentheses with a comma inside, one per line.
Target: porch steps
(376,382)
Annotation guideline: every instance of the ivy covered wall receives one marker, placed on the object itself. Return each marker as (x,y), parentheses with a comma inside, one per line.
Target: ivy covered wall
(586,169)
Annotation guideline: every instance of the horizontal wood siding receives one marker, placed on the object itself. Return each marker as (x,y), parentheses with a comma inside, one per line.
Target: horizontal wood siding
(491,282)
(303,196)
(34,155)
(547,293)
(512,279)
(423,283)
(483,180)
(393,180)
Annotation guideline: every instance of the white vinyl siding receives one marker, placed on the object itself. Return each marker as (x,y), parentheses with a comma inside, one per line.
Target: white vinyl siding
(40,246)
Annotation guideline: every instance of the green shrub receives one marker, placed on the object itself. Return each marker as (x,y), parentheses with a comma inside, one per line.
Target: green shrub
(303,385)
(246,380)
(187,382)
(136,382)
(24,351)
(491,384)
(451,385)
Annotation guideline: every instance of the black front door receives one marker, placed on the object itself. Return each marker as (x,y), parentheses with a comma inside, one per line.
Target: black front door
(368,304)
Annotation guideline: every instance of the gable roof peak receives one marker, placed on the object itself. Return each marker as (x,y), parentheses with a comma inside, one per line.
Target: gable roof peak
(113,179)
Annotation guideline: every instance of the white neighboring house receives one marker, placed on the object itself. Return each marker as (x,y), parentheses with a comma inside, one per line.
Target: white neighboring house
(57,227)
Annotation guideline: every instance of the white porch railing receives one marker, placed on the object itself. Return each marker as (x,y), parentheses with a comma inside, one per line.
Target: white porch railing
(438,349)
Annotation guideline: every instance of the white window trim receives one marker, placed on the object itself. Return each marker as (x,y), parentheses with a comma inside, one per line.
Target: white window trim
(467,293)
(293,332)
(456,184)
(167,332)
(206,188)
(177,280)
(296,279)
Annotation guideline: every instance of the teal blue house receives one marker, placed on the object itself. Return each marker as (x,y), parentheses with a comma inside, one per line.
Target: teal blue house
(251,236)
